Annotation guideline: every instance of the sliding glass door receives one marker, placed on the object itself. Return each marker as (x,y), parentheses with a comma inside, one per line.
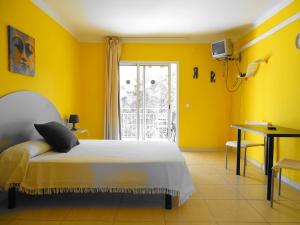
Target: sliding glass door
(147,101)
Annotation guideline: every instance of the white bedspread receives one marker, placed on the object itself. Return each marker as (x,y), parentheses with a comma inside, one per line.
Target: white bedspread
(111,166)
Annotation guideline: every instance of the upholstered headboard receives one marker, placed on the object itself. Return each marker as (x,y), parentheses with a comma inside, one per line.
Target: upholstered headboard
(18,113)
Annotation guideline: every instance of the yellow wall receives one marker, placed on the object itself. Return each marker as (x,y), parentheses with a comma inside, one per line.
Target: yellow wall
(204,125)
(273,94)
(57,56)
(92,58)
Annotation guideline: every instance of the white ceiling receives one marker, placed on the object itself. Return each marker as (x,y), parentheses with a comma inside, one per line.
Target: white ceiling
(195,20)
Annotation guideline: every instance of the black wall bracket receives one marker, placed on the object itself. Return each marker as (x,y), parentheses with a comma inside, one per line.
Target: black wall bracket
(212,77)
(195,76)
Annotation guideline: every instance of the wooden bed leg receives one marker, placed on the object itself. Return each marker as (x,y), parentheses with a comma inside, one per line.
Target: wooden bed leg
(11,198)
(168,201)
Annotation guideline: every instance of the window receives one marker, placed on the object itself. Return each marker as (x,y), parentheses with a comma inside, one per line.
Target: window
(148,101)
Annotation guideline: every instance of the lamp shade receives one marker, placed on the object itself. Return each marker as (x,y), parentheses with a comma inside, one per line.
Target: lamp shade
(74,118)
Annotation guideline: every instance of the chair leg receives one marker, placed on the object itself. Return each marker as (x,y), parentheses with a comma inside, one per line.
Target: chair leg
(245,161)
(279,182)
(272,188)
(226,157)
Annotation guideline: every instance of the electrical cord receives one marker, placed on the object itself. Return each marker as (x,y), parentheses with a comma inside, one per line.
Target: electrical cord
(237,83)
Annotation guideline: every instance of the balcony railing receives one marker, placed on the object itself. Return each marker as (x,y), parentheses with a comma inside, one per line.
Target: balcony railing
(155,126)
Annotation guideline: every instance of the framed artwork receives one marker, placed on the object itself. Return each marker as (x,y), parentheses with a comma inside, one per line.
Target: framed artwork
(21,52)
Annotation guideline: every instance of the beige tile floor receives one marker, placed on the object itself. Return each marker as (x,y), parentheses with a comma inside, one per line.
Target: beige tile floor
(221,198)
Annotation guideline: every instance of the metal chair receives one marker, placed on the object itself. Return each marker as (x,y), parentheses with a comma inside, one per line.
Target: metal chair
(245,144)
(291,164)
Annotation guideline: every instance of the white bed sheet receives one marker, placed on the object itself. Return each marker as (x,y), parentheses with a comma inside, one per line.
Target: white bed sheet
(114,166)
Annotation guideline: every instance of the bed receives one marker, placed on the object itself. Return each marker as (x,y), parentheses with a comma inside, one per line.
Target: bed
(28,165)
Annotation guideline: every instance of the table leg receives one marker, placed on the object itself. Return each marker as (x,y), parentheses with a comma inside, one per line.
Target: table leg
(238,152)
(270,165)
(266,155)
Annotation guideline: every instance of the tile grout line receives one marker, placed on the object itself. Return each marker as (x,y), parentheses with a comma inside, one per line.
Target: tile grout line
(65,216)
(116,212)
(210,211)
(264,220)
(164,215)
(257,210)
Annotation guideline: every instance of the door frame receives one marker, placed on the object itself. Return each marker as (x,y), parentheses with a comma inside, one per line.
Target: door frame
(159,63)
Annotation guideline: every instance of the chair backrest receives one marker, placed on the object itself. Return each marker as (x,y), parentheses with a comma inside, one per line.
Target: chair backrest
(257,123)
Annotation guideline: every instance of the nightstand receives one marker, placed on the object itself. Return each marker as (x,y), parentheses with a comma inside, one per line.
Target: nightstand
(79,131)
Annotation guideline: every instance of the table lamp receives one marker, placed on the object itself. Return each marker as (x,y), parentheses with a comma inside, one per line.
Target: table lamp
(74,119)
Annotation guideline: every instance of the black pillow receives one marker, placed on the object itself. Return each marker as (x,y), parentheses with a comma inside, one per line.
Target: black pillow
(58,136)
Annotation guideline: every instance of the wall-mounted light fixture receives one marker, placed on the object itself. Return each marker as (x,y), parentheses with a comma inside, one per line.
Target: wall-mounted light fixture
(252,68)
(298,41)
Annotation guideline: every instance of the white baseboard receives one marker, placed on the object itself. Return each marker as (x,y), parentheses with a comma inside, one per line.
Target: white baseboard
(202,149)
(284,179)
(290,182)
(256,163)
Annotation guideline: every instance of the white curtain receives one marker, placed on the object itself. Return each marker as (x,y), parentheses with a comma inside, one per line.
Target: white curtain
(112,108)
